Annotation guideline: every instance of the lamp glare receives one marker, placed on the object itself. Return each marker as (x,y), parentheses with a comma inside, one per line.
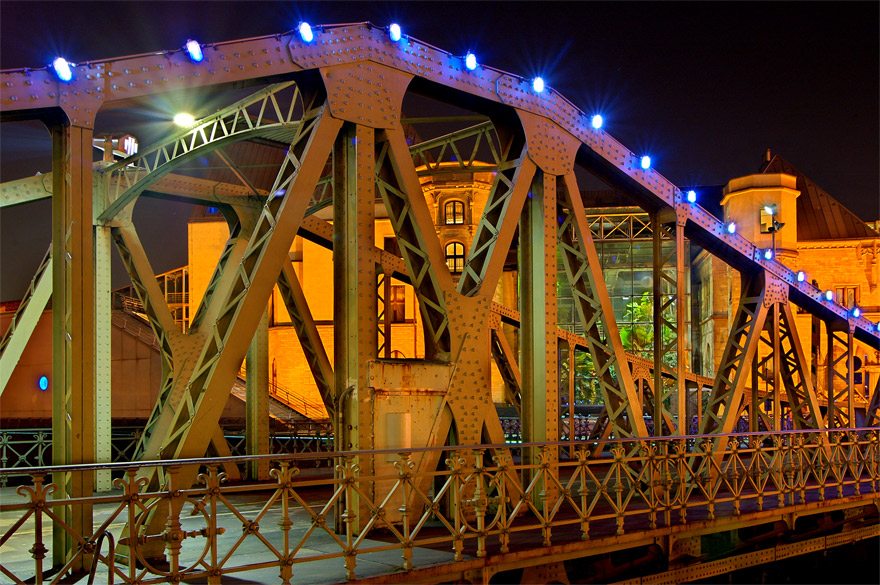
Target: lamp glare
(646,162)
(768,254)
(801,276)
(596,121)
(394,32)
(305,32)
(856,312)
(829,295)
(731,227)
(184,120)
(538,84)
(62,69)
(692,196)
(770,209)
(194,50)
(470,61)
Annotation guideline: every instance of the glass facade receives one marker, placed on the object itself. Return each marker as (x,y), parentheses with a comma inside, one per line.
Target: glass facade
(624,244)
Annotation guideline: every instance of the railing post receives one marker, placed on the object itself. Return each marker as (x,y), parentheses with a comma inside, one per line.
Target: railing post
(405,468)
(173,532)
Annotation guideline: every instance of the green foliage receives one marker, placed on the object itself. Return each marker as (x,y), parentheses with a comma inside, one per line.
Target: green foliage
(637,334)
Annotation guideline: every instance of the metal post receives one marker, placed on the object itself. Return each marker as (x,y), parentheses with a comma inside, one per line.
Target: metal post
(355,305)
(73,337)
(257,404)
(103,355)
(777,371)
(538,357)
(681,361)
(829,375)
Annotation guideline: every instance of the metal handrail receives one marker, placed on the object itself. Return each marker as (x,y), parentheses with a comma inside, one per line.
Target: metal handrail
(469,508)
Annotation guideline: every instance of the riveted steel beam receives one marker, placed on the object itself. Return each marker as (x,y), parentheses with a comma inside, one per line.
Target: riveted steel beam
(73,324)
(584,272)
(796,379)
(399,188)
(273,110)
(722,412)
(496,227)
(540,387)
(25,319)
(506,362)
(257,405)
(839,377)
(307,333)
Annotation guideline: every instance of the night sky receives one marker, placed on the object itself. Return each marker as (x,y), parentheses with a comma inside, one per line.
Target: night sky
(704,88)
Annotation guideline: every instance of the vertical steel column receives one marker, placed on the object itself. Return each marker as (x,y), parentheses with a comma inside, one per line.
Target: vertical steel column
(103,355)
(777,370)
(850,375)
(540,386)
(657,260)
(829,376)
(681,283)
(257,405)
(355,331)
(73,333)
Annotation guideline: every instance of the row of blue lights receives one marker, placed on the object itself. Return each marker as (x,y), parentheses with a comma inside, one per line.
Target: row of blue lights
(63,70)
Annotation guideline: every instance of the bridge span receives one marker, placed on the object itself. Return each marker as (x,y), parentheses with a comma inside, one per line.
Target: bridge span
(409,167)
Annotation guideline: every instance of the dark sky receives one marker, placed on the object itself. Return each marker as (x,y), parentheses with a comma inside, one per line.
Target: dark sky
(705,88)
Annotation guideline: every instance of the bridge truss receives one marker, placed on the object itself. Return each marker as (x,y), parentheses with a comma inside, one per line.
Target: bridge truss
(329,114)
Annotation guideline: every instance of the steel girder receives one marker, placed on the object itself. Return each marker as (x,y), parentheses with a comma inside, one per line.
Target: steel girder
(447,153)
(839,369)
(25,319)
(796,379)
(723,410)
(538,354)
(399,188)
(669,315)
(307,333)
(267,113)
(73,323)
(622,405)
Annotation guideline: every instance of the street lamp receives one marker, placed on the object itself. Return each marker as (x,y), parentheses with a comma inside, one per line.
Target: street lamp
(775,226)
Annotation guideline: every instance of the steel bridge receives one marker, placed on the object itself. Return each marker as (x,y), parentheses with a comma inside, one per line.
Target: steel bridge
(422,474)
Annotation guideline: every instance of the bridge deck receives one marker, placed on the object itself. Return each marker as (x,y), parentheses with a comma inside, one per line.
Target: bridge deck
(488,532)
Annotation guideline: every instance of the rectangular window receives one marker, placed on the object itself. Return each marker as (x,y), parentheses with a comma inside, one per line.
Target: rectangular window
(398,303)
(848,296)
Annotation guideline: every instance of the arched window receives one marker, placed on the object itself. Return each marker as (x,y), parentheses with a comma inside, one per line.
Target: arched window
(455,256)
(453,212)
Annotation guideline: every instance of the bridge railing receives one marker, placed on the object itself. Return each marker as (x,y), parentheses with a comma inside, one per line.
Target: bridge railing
(477,502)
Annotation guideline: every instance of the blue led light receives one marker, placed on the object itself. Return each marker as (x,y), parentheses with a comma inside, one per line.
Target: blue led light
(470,61)
(801,276)
(538,84)
(62,69)
(692,196)
(645,162)
(394,32)
(305,32)
(731,227)
(596,121)
(829,295)
(43,383)
(768,254)
(194,50)
(856,312)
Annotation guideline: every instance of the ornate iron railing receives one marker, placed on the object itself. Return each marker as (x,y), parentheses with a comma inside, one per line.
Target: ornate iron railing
(480,502)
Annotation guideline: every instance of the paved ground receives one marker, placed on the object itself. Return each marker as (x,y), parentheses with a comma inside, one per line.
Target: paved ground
(16,558)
